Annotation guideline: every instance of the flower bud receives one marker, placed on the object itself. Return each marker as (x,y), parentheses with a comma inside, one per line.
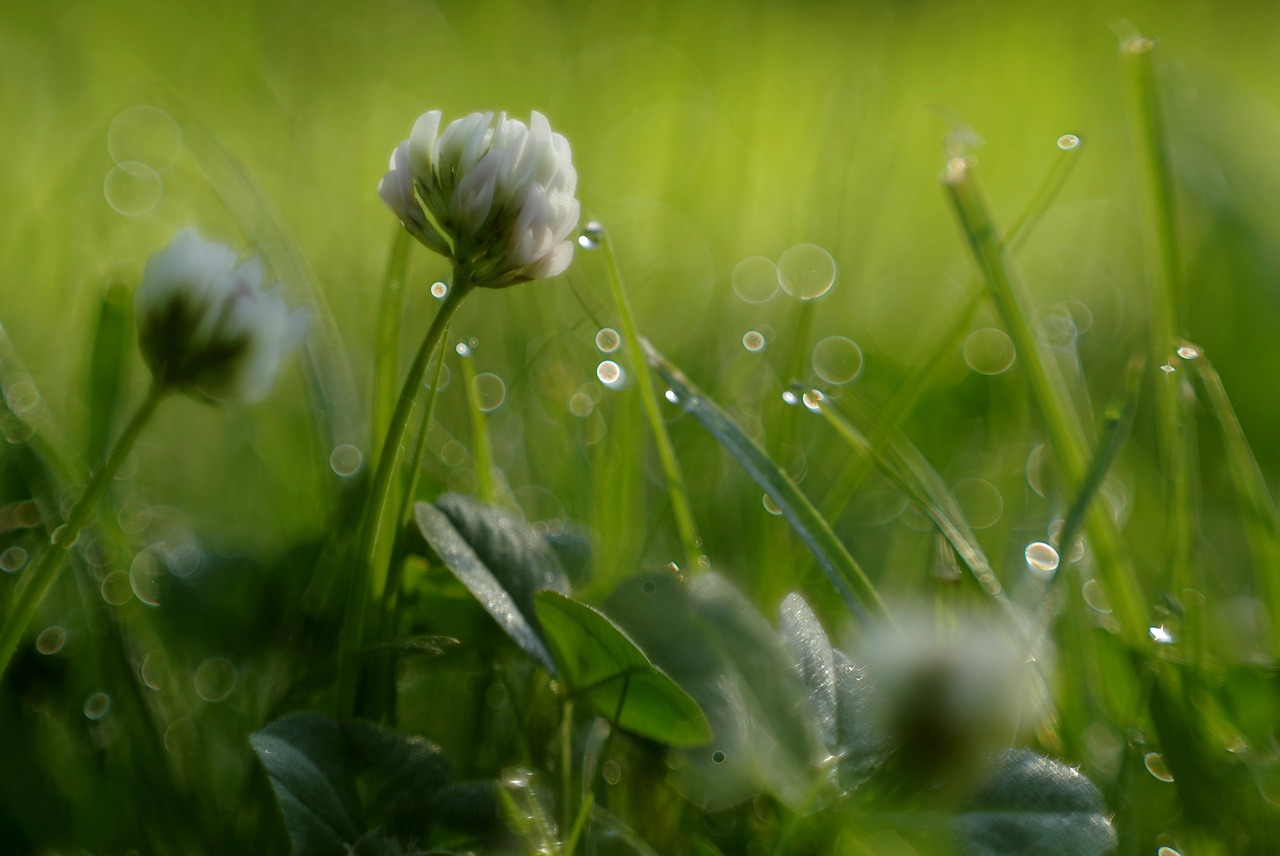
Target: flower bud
(498,198)
(206,326)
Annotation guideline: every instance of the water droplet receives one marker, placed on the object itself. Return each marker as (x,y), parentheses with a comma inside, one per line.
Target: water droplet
(581,404)
(753,340)
(1042,559)
(836,359)
(1035,469)
(1167,369)
(608,340)
(609,372)
(1093,595)
(215,678)
(12,559)
(771,506)
(807,271)
(989,351)
(592,235)
(117,589)
(439,289)
(97,706)
(463,349)
(132,188)
(704,562)
(789,396)
(1188,353)
(718,757)
(1067,142)
(1160,635)
(1154,762)
(51,640)
(812,400)
(64,537)
(345,460)
(611,772)
(671,396)
(980,500)
(1166,850)
(490,391)
(755,279)
(144,134)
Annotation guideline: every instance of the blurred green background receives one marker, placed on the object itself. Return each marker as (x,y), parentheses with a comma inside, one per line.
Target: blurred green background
(704,133)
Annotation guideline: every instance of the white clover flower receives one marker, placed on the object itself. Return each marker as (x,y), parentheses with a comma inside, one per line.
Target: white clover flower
(206,326)
(495,197)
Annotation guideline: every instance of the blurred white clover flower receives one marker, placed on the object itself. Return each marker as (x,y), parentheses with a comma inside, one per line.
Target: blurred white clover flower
(206,326)
(499,196)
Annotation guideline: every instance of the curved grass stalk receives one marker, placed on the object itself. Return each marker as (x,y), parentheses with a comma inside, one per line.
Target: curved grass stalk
(387,341)
(680,506)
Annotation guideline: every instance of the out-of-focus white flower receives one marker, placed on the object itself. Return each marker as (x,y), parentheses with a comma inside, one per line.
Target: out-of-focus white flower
(497,197)
(206,326)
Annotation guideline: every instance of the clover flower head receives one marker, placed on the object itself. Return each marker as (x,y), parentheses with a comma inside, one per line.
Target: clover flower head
(207,327)
(494,195)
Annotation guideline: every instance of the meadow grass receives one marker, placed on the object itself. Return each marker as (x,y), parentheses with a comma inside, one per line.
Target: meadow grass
(822,522)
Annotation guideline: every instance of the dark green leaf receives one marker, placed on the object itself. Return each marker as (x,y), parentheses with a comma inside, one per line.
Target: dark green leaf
(1032,804)
(500,559)
(714,643)
(305,759)
(602,666)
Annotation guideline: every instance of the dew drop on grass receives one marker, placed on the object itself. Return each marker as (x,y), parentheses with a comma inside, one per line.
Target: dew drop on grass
(144,134)
(755,279)
(1188,353)
(1167,369)
(345,460)
(439,289)
(117,589)
(51,640)
(812,400)
(609,372)
(771,506)
(463,349)
(807,271)
(753,340)
(980,500)
(671,396)
(132,188)
(789,396)
(718,757)
(490,391)
(1035,469)
(1067,142)
(1154,762)
(836,359)
(214,679)
(611,772)
(97,706)
(989,351)
(1042,559)
(1160,635)
(591,236)
(608,340)
(1093,595)
(12,559)
(1166,850)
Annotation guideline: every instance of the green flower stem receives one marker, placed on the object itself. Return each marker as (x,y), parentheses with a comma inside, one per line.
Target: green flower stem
(39,578)
(387,348)
(1066,434)
(680,506)
(366,580)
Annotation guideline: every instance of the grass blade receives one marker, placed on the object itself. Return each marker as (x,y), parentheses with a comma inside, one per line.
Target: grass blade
(840,567)
(387,342)
(109,362)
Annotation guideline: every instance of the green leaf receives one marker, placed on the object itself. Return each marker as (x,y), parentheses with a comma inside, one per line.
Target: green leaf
(1032,804)
(602,666)
(500,559)
(109,362)
(304,756)
(337,781)
(716,645)
(844,572)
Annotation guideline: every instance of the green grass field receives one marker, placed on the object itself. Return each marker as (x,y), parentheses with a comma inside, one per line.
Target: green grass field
(960,325)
